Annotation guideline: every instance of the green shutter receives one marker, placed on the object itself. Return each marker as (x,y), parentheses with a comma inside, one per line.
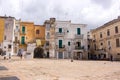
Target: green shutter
(60,43)
(60,30)
(23,40)
(78,31)
(23,29)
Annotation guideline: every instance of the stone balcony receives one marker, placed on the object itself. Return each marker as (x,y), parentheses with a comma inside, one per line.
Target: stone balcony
(48,47)
(60,48)
(79,49)
(22,33)
(58,34)
(16,41)
(79,36)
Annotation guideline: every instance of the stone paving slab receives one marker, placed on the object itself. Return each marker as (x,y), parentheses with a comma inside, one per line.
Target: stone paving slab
(47,69)
(3,68)
(9,78)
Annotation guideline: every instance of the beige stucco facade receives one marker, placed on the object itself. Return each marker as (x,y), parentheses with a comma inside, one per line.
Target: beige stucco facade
(107,39)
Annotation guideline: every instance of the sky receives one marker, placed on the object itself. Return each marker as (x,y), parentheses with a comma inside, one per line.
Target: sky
(94,13)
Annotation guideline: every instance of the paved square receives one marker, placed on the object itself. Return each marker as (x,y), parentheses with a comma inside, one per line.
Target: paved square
(48,69)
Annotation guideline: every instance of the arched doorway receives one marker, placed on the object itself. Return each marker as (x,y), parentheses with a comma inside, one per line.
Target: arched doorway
(38,52)
(1,51)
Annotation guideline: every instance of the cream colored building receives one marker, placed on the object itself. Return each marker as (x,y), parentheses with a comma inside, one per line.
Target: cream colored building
(106,40)
(50,37)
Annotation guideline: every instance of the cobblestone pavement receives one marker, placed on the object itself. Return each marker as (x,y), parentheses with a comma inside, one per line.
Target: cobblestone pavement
(49,69)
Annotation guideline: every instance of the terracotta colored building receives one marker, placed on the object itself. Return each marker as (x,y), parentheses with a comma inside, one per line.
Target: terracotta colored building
(40,35)
(2,22)
(26,34)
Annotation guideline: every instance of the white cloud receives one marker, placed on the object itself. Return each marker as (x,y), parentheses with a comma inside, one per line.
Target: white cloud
(91,12)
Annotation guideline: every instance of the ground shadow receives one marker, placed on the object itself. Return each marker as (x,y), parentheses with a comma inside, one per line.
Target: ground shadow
(9,78)
(3,68)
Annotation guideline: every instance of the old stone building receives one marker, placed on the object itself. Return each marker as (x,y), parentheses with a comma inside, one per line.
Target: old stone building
(106,40)
(64,38)
(2,23)
(27,34)
(50,37)
(9,24)
(40,35)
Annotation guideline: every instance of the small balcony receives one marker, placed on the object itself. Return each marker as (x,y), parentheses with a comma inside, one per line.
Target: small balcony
(58,34)
(47,47)
(79,36)
(16,41)
(79,48)
(60,48)
(22,33)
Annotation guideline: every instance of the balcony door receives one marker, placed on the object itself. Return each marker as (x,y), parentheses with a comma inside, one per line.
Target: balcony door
(23,29)
(60,30)
(22,40)
(79,44)
(78,31)
(60,43)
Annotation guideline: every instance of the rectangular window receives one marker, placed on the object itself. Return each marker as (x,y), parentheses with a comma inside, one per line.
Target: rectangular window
(47,43)
(60,30)
(117,43)
(60,43)
(16,39)
(68,43)
(23,29)
(17,27)
(116,29)
(108,43)
(9,46)
(95,46)
(37,31)
(101,44)
(22,40)
(78,31)
(108,32)
(100,35)
(94,36)
(67,31)
(4,37)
